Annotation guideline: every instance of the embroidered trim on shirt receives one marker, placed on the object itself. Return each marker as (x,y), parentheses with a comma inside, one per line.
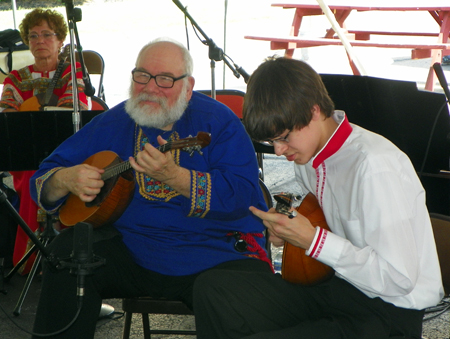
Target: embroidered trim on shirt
(317,248)
(40,184)
(200,194)
(150,188)
(320,184)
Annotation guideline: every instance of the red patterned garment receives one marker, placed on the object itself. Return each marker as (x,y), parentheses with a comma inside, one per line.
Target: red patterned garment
(25,83)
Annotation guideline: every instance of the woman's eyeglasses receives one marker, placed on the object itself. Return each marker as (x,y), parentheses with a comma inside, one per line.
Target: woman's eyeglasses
(45,35)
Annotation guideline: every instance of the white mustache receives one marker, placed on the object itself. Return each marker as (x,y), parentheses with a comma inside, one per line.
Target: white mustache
(149,97)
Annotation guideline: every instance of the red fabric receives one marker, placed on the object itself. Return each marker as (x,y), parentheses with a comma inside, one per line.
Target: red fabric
(253,246)
(28,211)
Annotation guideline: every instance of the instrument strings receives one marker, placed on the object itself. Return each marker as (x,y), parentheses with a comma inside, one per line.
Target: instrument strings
(125,165)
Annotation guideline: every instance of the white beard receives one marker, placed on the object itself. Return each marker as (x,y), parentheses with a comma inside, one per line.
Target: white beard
(149,116)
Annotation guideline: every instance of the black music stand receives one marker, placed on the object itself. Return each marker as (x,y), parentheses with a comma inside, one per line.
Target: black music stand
(27,138)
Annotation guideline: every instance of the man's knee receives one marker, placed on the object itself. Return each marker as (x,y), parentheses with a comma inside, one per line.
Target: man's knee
(206,280)
(62,244)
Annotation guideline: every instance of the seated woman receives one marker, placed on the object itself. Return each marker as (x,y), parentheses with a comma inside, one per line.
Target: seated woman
(44,31)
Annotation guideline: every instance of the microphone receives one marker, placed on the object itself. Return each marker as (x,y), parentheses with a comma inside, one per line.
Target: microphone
(69,8)
(441,77)
(82,254)
(89,90)
(242,72)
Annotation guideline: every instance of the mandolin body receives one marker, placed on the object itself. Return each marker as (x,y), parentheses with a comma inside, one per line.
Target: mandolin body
(109,204)
(297,267)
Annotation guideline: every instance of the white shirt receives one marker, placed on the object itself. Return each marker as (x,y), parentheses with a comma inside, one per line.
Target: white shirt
(381,239)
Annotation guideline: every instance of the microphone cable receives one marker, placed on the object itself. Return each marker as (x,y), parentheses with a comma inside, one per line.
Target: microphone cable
(187,32)
(443,82)
(431,137)
(43,335)
(439,309)
(225,18)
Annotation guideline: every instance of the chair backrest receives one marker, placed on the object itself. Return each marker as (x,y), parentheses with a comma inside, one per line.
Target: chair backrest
(441,229)
(95,65)
(269,202)
(234,99)
(266,194)
(98,104)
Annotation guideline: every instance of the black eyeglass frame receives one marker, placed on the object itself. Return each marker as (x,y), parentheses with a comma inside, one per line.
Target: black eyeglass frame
(282,140)
(156,78)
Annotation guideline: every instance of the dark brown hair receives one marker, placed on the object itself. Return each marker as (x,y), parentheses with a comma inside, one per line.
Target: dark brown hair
(280,96)
(54,19)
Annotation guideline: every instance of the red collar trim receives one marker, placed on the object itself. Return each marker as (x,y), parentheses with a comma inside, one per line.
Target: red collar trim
(334,143)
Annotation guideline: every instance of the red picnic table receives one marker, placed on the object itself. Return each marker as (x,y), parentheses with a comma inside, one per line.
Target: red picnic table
(438,9)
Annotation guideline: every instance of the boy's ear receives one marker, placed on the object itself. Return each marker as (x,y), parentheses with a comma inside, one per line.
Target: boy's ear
(316,112)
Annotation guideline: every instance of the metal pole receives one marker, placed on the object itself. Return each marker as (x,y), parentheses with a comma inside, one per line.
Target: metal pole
(334,24)
(13,4)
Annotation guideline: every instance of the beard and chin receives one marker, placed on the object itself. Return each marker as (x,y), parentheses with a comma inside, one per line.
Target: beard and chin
(149,116)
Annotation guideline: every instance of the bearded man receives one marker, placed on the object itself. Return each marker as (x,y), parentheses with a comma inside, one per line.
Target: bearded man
(187,210)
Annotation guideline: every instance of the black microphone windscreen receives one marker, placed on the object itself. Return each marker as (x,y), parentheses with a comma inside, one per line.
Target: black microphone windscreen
(82,243)
(89,90)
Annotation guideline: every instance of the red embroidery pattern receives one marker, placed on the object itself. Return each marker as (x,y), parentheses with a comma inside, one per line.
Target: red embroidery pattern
(200,194)
(320,183)
(319,243)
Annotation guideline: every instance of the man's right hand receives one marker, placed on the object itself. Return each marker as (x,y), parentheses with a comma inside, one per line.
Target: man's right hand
(82,180)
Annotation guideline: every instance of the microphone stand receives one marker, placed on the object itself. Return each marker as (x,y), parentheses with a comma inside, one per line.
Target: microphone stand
(442,80)
(215,53)
(74,15)
(77,264)
(26,229)
(47,234)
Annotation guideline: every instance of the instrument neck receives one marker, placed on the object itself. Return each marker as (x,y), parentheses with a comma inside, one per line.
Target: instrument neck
(126,165)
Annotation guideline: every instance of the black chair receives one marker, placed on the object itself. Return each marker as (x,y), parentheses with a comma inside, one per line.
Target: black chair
(146,305)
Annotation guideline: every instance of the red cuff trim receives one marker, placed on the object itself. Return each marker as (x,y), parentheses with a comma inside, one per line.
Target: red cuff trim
(320,241)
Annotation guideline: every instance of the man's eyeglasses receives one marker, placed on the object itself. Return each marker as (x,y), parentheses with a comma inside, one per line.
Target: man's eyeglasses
(45,35)
(163,81)
(279,140)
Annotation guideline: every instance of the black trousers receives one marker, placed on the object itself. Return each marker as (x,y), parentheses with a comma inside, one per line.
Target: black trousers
(264,306)
(120,277)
